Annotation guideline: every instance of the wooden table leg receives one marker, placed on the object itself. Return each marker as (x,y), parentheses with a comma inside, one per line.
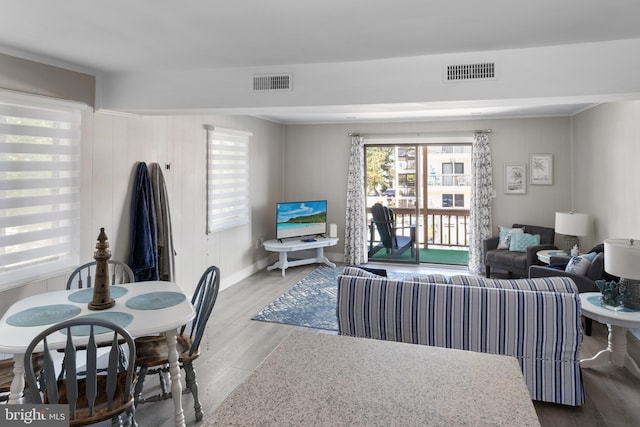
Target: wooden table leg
(17,384)
(174,371)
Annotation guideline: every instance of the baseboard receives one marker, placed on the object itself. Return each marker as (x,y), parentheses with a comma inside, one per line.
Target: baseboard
(228,281)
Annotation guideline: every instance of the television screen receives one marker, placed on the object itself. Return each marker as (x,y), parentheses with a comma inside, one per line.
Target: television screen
(296,219)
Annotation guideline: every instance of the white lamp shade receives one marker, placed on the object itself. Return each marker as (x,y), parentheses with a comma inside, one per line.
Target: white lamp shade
(572,224)
(622,258)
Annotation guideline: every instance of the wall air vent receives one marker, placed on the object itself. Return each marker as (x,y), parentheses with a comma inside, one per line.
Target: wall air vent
(272,82)
(483,71)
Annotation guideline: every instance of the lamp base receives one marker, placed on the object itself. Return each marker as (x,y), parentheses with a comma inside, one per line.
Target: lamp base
(633,300)
(569,243)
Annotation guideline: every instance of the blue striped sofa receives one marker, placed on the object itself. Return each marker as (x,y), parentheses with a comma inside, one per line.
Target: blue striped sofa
(535,320)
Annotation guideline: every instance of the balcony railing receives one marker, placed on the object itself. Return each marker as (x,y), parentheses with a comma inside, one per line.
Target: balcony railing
(444,227)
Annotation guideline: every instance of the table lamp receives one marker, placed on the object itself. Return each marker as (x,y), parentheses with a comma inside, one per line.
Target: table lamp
(572,225)
(622,259)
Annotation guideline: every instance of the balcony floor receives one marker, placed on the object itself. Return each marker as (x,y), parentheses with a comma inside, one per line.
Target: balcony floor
(433,256)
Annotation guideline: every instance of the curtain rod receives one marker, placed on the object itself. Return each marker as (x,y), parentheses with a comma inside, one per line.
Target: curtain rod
(421,133)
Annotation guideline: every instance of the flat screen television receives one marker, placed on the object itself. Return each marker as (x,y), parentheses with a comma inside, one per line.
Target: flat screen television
(298,219)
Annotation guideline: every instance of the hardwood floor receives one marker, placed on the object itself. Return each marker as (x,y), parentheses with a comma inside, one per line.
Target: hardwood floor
(234,346)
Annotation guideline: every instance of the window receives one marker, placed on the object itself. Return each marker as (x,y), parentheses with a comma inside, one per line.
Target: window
(39,187)
(227,178)
(453,200)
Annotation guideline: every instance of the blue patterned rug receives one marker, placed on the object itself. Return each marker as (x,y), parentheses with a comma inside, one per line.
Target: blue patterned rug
(311,302)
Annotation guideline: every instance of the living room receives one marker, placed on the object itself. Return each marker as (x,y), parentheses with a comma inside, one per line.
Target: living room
(595,149)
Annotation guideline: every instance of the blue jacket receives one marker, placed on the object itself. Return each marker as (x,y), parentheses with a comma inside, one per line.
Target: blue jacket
(143,255)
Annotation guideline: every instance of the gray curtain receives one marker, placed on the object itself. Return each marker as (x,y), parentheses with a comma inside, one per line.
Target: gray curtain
(356,216)
(481,198)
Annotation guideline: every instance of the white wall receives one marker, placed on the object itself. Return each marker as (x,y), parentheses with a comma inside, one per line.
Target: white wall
(112,145)
(606,156)
(317,158)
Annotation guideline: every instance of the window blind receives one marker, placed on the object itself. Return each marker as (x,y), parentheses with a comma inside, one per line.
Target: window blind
(39,188)
(227,178)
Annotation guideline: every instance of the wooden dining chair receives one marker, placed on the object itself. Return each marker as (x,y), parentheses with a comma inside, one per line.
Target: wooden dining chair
(83,276)
(91,397)
(152,352)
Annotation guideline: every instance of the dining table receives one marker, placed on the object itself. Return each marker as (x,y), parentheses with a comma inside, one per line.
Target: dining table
(142,308)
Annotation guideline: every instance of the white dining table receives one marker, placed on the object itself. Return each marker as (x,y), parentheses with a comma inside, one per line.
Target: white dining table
(142,308)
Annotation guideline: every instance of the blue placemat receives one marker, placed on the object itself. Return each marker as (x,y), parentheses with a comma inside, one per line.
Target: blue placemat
(155,300)
(43,315)
(86,295)
(119,318)
(597,300)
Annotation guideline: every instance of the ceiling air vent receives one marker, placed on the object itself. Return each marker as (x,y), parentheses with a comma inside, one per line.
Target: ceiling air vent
(483,71)
(272,82)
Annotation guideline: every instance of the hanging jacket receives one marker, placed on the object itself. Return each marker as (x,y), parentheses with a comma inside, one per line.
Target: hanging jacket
(143,255)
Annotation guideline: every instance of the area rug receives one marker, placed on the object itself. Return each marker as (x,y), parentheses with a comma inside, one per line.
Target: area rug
(311,302)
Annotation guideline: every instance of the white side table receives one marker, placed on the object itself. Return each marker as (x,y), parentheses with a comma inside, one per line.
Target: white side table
(545,256)
(285,246)
(617,322)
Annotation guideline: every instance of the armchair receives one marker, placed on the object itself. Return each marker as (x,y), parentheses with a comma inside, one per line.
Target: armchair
(586,283)
(383,220)
(517,262)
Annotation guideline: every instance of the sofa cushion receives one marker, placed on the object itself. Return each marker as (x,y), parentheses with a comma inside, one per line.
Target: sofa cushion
(505,236)
(596,269)
(431,278)
(551,284)
(507,258)
(520,242)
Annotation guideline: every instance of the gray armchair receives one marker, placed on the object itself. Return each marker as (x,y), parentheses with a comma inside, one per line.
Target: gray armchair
(586,283)
(517,263)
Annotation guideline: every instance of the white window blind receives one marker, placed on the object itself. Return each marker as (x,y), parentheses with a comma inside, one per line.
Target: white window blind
(39,187)
(227,178)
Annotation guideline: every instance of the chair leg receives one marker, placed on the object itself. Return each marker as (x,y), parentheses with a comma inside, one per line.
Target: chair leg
(142,373)
(192,385)
(488,271)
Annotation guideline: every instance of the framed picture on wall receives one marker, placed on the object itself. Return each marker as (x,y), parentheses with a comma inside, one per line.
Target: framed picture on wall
(515,178)
(541,169)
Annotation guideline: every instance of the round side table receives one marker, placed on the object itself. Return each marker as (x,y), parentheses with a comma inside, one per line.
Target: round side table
(618,321)
(545,256)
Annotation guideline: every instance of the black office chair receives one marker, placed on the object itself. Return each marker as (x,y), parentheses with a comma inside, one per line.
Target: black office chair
(83,276)
(92,397)
(153,351)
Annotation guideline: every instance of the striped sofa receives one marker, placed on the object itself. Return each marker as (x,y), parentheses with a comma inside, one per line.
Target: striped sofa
(535,320)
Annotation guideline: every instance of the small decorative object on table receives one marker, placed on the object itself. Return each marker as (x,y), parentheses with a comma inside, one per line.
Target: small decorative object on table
(612,294)
(575,251)
(101,290)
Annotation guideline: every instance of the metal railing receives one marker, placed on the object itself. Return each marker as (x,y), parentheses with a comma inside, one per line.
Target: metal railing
(444,227)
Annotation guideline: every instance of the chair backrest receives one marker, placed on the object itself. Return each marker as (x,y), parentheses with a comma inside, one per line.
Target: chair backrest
(383,218)
(83,276)
(81,385)
(203,300)
(547,234)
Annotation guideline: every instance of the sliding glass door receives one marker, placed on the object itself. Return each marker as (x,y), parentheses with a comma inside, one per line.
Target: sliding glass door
(393,202)
(425,190)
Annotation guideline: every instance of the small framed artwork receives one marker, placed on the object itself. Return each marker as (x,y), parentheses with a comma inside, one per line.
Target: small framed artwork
(515,178)
(541,169)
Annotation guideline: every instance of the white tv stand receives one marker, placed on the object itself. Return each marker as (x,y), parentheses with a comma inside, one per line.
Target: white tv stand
(283,247)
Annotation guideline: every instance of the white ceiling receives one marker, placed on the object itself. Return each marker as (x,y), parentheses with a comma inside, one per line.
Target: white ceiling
(131,36)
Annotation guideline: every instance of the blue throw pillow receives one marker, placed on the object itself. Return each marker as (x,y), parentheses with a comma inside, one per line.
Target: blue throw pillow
(521,241)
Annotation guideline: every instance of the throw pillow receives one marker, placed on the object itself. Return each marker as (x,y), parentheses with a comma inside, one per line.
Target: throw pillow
(580,264)
(505,236)
(520,242)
